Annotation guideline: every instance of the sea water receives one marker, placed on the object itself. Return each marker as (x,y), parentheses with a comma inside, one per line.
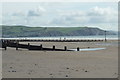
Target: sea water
(102,37)
(88,49)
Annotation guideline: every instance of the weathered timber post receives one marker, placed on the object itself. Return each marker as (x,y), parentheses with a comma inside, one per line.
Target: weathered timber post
(105,36)
(5,45)
(17,43)
(28,45)
(78,49)
(65,48)
(41,47)
(53,47)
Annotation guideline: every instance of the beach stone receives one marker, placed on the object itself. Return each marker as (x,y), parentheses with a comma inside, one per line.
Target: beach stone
(86,71)
(67,68)
(66,76)
(13,71)
(10,67)
(51,74)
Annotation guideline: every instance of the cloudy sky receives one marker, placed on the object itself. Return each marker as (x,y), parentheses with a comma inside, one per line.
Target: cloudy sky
(61,14)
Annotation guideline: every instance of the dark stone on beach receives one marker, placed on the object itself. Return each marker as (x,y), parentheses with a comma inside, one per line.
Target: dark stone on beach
(67,68)
(66,75)
(13,71)
(51,74)
(86,71)
(76,70)
(10,67)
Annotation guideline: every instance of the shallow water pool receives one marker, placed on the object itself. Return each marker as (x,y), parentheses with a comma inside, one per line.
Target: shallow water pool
(89,49)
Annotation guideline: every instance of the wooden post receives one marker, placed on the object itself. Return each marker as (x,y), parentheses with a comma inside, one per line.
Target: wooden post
(28,45)
(5,45)
(65,48)
(53,47)
(17,45)
(41,47)
(78,49)
(105,37)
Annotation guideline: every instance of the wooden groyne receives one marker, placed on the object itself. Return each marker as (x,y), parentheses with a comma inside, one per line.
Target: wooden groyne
(54,40)
(5,44)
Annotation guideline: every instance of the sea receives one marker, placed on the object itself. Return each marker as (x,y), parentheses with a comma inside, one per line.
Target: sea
(102,37)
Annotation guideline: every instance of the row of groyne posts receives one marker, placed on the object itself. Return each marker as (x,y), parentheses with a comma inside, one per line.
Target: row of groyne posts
(15,44)
(55,40)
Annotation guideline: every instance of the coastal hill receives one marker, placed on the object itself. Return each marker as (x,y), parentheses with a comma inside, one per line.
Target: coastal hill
(25,31)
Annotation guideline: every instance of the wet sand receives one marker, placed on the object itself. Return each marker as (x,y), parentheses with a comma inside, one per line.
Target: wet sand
(62,64)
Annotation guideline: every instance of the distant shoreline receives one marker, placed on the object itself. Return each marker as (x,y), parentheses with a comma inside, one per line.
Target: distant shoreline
(108,37)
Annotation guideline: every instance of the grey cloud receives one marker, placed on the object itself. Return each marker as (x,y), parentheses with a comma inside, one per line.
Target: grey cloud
(37,12)
(18,14)
(95,15)
(29,13)
(33,13)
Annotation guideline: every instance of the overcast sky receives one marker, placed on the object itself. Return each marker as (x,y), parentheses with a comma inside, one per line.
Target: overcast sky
(61,14)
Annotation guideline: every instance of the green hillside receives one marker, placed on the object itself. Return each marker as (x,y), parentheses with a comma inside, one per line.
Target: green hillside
(25,31)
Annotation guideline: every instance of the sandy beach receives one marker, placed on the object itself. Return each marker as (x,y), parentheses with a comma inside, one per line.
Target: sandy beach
(23,63)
